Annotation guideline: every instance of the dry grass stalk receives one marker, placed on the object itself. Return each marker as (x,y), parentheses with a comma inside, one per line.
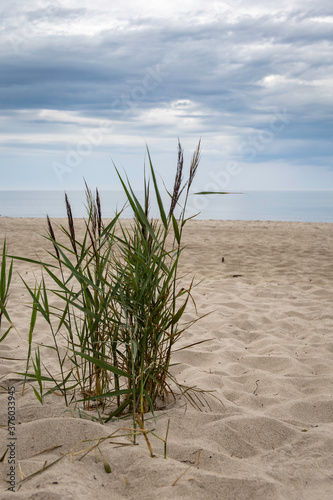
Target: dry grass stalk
(177,188)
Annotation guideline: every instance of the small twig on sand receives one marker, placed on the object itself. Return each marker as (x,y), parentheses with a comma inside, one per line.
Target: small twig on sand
(196,464)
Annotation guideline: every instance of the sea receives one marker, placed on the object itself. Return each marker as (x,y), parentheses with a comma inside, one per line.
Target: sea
(302,206)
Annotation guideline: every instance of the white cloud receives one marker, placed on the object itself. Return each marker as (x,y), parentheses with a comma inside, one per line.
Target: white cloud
(222,69)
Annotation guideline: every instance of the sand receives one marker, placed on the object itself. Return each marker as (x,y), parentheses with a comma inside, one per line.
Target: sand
(268,287)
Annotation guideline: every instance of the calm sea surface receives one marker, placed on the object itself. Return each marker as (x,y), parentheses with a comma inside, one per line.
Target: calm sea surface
(303,206)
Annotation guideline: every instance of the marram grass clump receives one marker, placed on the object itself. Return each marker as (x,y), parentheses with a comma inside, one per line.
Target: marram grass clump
(121,303)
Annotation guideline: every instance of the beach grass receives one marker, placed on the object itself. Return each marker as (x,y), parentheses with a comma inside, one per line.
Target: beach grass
(5,281)
(119,303)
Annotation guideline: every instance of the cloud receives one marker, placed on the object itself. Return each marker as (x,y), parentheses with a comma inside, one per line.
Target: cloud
(219,70)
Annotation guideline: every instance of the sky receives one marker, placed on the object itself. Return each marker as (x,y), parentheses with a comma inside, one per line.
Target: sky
(86,85)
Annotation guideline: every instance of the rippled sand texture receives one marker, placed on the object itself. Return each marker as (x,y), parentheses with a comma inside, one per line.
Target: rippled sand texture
(268,289)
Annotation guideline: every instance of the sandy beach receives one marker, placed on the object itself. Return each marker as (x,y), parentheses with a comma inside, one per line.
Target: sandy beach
(266,431)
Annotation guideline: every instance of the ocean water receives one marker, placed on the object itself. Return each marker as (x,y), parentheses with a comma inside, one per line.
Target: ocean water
(302,206)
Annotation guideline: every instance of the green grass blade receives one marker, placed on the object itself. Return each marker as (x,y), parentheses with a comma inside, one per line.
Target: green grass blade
(119,410)
(38,396)
(3,311)
(31,330)
(5,334)
(157,193)
(109,394)
(5,280)
(37,302)
(103,364)
(136,207)
(176,229)
(31,261)
(35,377)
